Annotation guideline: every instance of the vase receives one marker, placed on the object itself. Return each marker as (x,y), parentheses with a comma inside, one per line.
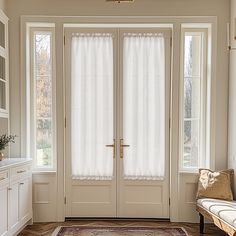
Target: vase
(1,156)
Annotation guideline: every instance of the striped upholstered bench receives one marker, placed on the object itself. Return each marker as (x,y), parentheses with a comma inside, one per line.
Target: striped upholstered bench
(222,213)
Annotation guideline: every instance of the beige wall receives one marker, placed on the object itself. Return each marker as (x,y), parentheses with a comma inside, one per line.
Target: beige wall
(3,5)
(219,8)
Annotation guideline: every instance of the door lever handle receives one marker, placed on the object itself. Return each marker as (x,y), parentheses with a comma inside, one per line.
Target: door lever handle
(113,146)
(122,145)
(110,145)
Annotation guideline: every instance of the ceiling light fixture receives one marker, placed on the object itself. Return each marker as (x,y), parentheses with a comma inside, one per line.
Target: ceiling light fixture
(120,1)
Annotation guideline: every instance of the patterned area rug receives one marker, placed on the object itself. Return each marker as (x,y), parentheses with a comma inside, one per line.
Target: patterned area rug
(118,231)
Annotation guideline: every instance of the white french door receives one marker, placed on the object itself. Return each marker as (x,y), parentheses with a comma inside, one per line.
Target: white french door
(90,112)
(143,177)
(117,133)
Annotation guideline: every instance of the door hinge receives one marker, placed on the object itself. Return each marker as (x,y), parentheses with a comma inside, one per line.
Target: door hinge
(170,41)
(64,40)
(64,200)
(228,36)
(65,122)
(169,201)
(169,123)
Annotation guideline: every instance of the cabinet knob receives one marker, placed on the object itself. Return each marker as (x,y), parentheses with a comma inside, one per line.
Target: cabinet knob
(9,189)
(21,183)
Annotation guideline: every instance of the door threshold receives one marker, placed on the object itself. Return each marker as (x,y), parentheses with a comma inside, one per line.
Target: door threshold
(115,219)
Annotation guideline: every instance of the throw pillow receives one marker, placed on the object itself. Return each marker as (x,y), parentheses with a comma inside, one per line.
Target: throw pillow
(215,184)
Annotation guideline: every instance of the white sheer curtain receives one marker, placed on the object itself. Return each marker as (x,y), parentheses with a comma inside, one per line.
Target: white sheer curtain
(144,106)
(92,106)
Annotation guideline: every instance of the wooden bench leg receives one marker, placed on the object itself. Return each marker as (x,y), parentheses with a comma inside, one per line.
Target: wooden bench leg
(201,223)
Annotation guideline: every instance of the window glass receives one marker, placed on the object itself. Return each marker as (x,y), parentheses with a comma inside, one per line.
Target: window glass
(43,98)
(193,117)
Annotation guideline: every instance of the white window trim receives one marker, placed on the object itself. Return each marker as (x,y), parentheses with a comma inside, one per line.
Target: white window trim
(205,158)
(30,90)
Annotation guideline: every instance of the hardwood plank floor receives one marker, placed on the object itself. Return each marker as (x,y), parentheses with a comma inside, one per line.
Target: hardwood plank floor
(46,229)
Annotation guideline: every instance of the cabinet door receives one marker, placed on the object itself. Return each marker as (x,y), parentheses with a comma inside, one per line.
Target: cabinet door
(24,199)
(13,206)
(4,85)
(3,209)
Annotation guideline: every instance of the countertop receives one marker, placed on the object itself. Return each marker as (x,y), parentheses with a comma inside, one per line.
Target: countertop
(11,162)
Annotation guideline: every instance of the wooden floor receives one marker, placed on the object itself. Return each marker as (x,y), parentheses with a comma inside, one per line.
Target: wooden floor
(46,229)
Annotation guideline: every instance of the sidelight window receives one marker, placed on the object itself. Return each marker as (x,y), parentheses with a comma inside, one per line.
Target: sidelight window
(194,98)
(42,87)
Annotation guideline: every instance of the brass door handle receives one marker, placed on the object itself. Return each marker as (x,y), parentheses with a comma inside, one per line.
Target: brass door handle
(113,146)
(122,145)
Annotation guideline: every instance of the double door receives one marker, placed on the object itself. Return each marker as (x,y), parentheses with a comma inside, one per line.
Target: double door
(117,112)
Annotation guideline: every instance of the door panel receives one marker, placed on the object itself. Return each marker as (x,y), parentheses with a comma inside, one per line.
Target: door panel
(13,214)
(3,207)
(24,193)
(92,199)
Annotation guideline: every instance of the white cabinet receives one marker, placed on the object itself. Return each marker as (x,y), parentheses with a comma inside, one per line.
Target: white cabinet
(4,210)
(4,77)
(15,198)
(19,209)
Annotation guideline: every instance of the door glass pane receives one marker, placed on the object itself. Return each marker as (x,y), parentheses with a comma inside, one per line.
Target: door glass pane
(144,106)
(92,106)
(43,95)
(2,35)
(2,68)
(3,95)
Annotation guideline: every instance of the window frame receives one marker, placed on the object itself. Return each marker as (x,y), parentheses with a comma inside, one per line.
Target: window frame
(204,126)
(31,108)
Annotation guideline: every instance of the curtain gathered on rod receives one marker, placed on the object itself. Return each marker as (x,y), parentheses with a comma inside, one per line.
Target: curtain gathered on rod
(92,106)
(144,106)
